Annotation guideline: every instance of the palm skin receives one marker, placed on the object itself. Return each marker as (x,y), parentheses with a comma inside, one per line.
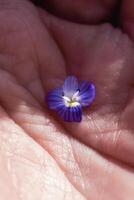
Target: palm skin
(41,156)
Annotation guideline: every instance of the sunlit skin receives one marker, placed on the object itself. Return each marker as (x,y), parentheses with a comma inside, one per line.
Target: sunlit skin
(41,156)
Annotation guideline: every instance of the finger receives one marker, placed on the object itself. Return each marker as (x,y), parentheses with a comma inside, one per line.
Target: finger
(91,11)
(26,48)
(127,17)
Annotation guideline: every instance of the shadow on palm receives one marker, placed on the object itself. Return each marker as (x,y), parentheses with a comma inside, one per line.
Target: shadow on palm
(37,52)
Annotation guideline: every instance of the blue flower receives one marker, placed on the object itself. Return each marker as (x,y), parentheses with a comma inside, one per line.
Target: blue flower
(69,99)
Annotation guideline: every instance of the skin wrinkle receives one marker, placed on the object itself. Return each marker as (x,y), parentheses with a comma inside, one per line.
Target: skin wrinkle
(82,177)
(19,82)
(29,103)
(34,46)
(58,50)
(98,129)
(126,103)
(33,43)
(77,175)
(54,38)
(13,154)
(12,185)
(70,62)
(27,162)
(90,118)
(9,171)
(118,132)
(23,129)
(108,170)
(62,166)
(8,141)
(120,181)
(101,144)
(35,105)
(83,186)
(86,171)
(49,150)
(116,137)
(46,150)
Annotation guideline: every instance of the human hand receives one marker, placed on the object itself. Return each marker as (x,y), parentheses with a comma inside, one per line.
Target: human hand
(42,157)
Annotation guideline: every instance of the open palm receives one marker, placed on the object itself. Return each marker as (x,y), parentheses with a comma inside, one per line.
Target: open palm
(41,157)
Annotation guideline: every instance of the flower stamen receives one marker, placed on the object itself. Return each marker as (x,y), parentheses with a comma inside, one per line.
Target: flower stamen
(71,101)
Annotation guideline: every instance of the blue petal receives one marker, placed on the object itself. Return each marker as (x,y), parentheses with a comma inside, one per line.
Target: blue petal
(87,93)
(71,114)
(70,86)
(55,98)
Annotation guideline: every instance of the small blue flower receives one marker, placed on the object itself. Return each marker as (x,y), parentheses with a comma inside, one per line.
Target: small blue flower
(69,99)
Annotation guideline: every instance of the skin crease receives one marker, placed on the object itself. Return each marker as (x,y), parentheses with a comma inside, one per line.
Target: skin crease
(41,157)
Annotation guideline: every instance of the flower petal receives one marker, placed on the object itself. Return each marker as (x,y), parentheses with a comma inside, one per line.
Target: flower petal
(87,93)
(70,86)
(71,114)
(55,98)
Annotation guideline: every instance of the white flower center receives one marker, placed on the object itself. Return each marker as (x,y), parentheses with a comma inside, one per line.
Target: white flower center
(72,101)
